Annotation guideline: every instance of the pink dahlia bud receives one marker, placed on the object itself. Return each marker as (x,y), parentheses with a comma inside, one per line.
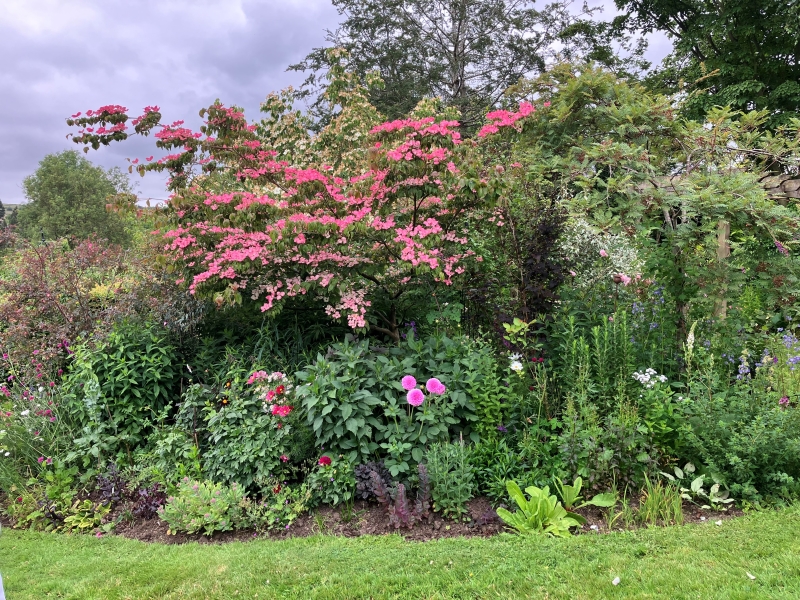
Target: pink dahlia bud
(408,382)
(415,397)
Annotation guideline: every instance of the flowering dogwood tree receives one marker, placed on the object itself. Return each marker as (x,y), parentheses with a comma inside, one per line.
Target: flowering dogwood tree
(356,234)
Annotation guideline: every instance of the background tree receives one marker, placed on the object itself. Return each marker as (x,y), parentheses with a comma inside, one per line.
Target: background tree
(67,197)
(2,211)
(742,53)
(466,52)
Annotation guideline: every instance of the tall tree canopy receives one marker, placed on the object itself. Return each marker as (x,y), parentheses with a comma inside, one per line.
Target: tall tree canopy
(742,53)
(466,52)
(67,196)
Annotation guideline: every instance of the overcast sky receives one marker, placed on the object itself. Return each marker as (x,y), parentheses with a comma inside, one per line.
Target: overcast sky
(61,57)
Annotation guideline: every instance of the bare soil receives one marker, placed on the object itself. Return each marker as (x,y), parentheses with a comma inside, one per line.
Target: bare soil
(372,519)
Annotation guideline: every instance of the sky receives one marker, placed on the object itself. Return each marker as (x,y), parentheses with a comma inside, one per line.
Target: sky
(64,57)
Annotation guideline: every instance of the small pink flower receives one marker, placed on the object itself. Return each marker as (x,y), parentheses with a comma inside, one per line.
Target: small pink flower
(784,402)
(434,386)
(40,460)
(573,273)
(603,253)
(415,397)
(408,382)
(284,458)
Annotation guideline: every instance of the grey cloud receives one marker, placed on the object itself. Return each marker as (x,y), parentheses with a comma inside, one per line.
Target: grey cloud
(180,55)
(63,57)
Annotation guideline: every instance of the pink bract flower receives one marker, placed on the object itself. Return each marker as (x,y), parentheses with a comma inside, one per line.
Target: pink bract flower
(415,397)
(408,382)
(434,386)
(603,253)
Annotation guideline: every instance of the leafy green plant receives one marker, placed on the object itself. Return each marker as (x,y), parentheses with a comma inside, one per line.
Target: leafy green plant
(742,434)
(717,499)
(234,432)
(357,406)
(333,483)
(452,478)
(572,500)
(115,391)
(203,506)
(494,462)
(47,499)
(660,504)
(540,513)
(84,516)
(279,508)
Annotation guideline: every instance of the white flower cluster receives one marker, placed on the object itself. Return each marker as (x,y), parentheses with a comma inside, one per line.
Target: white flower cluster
(516,363)
(649,377)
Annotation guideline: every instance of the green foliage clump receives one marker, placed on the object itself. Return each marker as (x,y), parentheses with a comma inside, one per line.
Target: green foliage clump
(357,406)
(333,483)
(67,196)
(540,513)
(115,390)
(203,506)
(452,479)
(238,438)
(746,435)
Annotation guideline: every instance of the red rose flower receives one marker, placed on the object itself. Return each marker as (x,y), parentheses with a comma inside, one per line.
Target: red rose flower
(280,389)
(325,460)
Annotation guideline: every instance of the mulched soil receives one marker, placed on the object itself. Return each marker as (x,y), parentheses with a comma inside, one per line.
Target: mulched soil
(372,519)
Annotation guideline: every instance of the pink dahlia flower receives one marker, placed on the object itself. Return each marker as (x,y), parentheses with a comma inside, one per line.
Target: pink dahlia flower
(415,397)
(434,386)
(408,382)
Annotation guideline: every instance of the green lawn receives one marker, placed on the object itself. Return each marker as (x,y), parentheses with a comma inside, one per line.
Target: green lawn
(703,561)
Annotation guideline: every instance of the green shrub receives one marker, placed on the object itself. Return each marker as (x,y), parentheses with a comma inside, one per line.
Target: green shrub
(747,441)
(494,463)
(357,406)
(280,507)
(240,439)
(115,390)
(333,483)
(203,506)
(452,479)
